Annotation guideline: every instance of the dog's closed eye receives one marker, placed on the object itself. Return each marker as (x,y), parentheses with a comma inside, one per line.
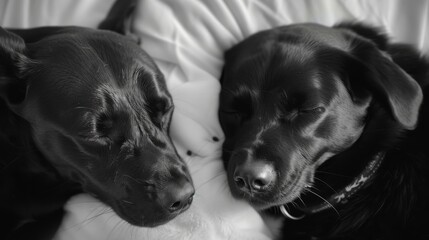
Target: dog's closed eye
(240,115)
(102,128)
(238,111)
(160,110)
(105,130)
(302,112)
(104,124)
(316,110)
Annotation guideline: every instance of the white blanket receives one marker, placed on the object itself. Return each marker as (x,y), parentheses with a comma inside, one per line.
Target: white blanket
(187,39)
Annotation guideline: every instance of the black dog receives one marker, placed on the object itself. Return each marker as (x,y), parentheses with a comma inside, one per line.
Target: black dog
(327,125)
(84,110)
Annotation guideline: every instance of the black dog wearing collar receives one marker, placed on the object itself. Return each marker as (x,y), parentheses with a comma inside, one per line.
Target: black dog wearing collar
(328,126)
(84,110)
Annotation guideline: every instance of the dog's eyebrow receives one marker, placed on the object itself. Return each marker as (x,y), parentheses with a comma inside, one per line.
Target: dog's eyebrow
(149,81)
(244,92)
(296,101)
(283,98)
(245,98)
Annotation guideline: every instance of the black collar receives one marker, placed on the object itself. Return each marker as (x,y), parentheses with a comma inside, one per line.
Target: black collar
(342,196)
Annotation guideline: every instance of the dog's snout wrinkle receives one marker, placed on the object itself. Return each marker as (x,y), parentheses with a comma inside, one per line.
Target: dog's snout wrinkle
(265,127)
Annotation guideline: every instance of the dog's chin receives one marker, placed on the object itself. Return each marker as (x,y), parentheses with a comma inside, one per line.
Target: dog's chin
(147,214)
(140,221)
(276,201)
(152,216)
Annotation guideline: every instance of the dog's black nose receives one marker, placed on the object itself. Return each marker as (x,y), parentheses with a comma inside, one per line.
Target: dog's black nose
(178,196)
(254,176)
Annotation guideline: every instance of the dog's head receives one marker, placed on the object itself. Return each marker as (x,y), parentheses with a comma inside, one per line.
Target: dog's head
(293,97)
(99,111)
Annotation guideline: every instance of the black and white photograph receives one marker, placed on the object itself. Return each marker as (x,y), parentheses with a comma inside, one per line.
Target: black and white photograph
(214,120)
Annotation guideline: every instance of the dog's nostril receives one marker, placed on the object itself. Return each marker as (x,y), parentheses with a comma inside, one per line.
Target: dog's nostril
(178,195)
(178,205)
(175,206)
(259,183)
(240,182)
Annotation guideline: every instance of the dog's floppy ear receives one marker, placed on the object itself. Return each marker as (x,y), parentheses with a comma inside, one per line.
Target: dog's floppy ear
(118,18)
(381,74)
(13,64)
(375,34)
(387,81)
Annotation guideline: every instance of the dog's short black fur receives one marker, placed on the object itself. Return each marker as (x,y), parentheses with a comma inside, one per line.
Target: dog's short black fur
(84,110)
(305,108)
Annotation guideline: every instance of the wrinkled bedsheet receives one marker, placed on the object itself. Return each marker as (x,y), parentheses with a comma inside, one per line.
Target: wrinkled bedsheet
(187,39)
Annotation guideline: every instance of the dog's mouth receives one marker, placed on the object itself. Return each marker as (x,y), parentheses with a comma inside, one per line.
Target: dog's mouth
(152,215)
(276,197)
(146,211)
(147,203)
(288,188)
(308,193)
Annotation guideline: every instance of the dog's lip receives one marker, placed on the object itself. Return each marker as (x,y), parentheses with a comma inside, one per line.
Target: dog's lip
(261,202)
(299,185)
(264,202)
(139,220)
(120,209)
(293,194)
(167,219)
(271,198)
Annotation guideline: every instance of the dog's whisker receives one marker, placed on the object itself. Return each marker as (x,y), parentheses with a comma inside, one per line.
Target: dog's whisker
(329,186)
(295,204)
(10,163)
(128,202)
(197,195)
(327,202)
(86,108)
(95,211)
(142,182)
(302,201)
(209,180)
(107,210)
(133,231)
(304,156)
(88,219)
(123,226)
(333,174)
(379,208)
(113,229)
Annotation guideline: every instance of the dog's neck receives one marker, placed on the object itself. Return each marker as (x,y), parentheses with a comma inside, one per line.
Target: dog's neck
(37,176)
(19,150)
(342,196)
(347,168)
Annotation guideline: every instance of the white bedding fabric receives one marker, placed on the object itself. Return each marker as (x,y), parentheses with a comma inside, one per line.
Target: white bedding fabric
(187,39)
